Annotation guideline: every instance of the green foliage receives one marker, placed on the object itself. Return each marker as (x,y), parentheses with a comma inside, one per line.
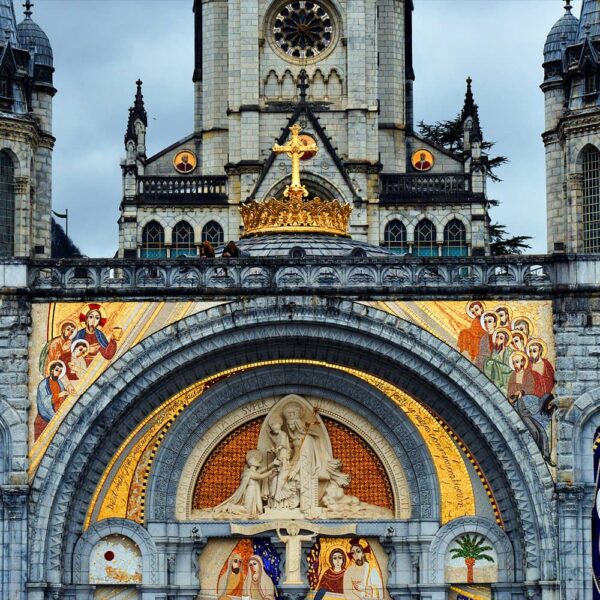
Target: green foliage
(501,245)
(450,136)
(62,245)
(472,547)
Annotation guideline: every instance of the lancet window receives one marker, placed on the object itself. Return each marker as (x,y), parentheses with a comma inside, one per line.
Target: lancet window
(7,205)
(425,239)
(183,240)
(394,237)
(213,232)
(591,200)
(455,239)
(153,241)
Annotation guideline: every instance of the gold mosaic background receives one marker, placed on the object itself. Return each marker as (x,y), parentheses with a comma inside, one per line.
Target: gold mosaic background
(220,475)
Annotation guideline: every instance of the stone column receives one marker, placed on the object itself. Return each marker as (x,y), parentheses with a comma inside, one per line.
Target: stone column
(22,244)
(14,500)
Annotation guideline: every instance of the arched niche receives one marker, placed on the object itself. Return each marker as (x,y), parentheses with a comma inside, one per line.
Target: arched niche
(373,449)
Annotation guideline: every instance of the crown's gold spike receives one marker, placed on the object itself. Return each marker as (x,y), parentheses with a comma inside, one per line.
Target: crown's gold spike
(296,148)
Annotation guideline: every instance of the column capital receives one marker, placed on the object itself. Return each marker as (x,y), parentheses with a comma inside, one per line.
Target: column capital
(14,498)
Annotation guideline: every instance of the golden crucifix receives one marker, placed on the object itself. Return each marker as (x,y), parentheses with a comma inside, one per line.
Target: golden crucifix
(296,148)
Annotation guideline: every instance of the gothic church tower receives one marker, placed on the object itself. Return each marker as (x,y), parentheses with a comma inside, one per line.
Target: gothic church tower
(343,71)
(26,92)
(572,131)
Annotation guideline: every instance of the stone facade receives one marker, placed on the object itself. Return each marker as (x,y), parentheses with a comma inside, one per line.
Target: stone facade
(192,350)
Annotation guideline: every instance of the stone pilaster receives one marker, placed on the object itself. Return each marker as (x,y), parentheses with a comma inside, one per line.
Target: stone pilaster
(13,500)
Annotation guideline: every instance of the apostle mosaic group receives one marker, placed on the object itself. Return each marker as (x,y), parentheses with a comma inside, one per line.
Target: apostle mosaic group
(507,351)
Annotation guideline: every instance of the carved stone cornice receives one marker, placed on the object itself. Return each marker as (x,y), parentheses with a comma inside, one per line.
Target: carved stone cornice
(47,141)
(17,130)
(569,494)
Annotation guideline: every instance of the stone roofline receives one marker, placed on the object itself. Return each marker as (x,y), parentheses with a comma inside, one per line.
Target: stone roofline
(510,277)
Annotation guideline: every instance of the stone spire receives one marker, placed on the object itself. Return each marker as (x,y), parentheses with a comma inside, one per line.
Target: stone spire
(136,113)
(471,111)
(8,23)
(590,20)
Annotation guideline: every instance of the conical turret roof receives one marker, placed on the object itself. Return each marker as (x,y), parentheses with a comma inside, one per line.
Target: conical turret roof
(8,23)
(563,33)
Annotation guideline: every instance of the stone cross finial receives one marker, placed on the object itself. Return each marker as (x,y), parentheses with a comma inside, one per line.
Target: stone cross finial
(28,6)
(296,148)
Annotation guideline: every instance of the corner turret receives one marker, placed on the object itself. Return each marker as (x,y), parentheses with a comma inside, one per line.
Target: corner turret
(26,93)
(133,167)
(572,108)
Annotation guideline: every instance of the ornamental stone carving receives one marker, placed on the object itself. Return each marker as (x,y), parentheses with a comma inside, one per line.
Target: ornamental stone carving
(293,474)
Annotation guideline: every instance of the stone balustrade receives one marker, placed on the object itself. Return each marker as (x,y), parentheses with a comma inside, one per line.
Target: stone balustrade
(366,277)
(190,190)
(412,186)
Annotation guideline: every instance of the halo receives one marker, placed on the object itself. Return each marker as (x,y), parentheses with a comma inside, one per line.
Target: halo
(80,342)
(540,343)
(503,330)
(484,315)
(90,307)
(62,366)
(527,320)
(519,353)
(470,303)
(65,323)
(293,404)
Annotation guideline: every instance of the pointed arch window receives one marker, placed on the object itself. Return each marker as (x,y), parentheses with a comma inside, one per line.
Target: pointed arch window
(153,241)
(213,232)
(425,239)
(455,239)
(591,81)
(591,200)
(7,205)
(183,240)
(394,237)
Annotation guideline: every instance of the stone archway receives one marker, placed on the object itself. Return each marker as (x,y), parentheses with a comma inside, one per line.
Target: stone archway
(343,332)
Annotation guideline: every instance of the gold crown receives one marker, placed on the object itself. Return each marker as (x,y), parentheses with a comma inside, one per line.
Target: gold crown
(294,213)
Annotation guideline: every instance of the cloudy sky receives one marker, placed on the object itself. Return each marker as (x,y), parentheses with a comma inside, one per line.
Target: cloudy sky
(102,46)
